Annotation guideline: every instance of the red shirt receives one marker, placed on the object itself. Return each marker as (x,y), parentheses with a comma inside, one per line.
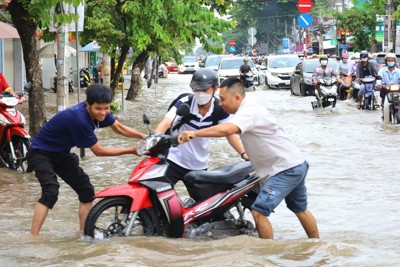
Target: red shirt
(3,83)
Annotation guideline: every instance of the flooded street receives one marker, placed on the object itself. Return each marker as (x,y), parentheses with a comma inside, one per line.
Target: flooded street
(353,189)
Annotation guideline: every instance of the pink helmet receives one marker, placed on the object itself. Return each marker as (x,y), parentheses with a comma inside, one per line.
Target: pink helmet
(345,56)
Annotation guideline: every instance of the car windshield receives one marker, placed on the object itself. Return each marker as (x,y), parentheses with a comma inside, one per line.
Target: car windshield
(234,64)
(312,64)
(283,62)
(213,61)
(189,60)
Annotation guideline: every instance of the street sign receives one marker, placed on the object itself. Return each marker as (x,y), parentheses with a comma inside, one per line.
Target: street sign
(252,31)
(304,20)
(304,6)
(252,40)
(343,46)
(285,43)
(232,43)
(299,47)
(232,49)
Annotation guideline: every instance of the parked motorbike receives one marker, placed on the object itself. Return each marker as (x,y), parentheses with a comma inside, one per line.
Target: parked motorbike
(328,97)
(392,105)
(15,140)
(70,85)
(369,94)
(148,205)
(84,78)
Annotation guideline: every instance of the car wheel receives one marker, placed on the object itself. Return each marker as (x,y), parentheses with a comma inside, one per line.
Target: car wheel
(302,89)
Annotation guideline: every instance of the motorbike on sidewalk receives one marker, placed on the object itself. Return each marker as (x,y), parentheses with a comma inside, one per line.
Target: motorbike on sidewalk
(328,96)
(15,140)
(391,107)
(149,206)
(84,78)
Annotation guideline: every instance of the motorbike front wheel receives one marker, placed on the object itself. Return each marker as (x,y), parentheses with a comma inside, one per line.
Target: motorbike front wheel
(109,218)
(13,154)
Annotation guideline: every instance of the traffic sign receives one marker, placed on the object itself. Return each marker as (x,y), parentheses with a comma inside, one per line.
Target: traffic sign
(304,20)
(343,46)
(232,49)
(252,40)
(285,43)
(299,47)
(304,6)
(232,42)
(252,31)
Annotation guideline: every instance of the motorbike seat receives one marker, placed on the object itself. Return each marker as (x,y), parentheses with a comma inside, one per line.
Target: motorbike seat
(229,174)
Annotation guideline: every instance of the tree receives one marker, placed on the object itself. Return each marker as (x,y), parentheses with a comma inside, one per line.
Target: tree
(28,16)
(161,27)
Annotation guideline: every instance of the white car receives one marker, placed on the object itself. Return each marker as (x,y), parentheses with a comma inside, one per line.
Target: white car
(276,70)
(229,67)
(189,64)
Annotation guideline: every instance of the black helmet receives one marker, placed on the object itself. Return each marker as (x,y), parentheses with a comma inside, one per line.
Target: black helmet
(203,79)
(364,53)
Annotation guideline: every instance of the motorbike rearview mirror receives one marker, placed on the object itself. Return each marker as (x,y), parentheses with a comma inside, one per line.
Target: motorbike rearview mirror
(183,110)
(146,121)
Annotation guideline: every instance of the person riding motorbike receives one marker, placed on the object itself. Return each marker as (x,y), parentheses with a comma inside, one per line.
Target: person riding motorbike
(389,74)
(344,67)
(352,72)
(322,71)
(244,69)
(4,87)
(204,114)
(364,69)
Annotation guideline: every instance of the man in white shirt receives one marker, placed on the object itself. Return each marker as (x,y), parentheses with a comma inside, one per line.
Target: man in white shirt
(276,160)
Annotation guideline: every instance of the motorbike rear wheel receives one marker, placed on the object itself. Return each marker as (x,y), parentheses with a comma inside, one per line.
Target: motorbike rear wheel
(20,146)
(109,217)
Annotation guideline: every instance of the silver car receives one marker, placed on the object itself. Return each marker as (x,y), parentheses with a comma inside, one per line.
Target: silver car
(276,70)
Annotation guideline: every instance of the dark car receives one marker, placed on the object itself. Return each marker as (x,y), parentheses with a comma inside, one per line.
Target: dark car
(301,78)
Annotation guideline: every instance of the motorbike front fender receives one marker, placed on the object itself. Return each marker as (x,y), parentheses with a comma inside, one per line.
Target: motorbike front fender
(19,131)
(138,194)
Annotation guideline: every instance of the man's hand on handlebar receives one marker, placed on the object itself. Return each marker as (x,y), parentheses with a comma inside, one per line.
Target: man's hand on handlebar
(186,136)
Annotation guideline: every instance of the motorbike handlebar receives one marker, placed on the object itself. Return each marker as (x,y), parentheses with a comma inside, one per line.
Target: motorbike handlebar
(174,140)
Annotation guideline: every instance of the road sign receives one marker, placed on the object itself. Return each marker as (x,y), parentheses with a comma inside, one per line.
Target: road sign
(232,43)
(232,49)
(299,47)
(252,40)
(343,46)
(304,20)
(285,43)
(304,6)
(252,31)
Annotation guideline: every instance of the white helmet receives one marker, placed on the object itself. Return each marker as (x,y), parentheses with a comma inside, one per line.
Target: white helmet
(356,55)
(390,55)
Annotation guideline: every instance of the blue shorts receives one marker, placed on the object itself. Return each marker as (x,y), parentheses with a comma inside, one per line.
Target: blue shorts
(288,185)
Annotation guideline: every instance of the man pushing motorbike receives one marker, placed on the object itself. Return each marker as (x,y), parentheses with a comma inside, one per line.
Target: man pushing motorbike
(276,160)
(50,155)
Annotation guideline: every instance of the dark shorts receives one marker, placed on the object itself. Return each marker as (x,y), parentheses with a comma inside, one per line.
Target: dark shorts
(175,172)
(48,166)
(288,185)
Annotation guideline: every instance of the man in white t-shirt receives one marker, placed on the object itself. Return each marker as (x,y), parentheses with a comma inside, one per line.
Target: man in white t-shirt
(276,160)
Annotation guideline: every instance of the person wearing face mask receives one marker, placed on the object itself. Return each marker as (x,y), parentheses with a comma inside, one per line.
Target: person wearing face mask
(365,68)
(204,112)
(322,71)
(352,72)
(390,75)
(343,68)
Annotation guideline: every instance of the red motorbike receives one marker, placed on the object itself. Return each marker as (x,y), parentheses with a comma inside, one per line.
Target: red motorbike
(15,140)
(148,205)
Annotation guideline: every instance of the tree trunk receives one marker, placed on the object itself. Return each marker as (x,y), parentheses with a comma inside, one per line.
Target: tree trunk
(26,27)
(118,70)
(136,78)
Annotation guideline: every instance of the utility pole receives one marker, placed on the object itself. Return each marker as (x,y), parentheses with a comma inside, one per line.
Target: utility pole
(387,40)
(62,99)
(321,35)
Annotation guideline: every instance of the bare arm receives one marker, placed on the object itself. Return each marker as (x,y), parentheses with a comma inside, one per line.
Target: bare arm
(164,125)
(235,142)
(126,131)
(100,151)
(220,130)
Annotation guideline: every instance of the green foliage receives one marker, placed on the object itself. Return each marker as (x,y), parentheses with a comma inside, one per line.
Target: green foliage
(115,107)
(164,27)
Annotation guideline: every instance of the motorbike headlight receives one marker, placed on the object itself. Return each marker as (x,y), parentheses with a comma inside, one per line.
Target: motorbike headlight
(144,145)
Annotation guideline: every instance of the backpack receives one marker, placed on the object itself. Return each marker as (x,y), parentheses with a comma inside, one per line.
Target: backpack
(216,114)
